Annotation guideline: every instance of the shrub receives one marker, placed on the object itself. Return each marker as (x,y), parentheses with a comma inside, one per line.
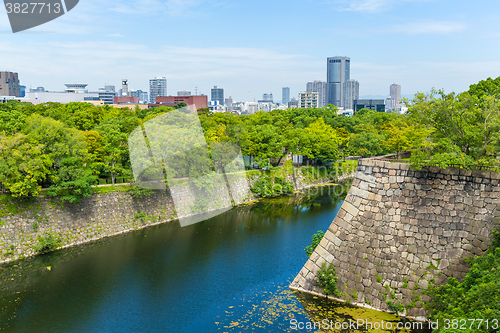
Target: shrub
(316,239)
(47,243)
(139,192)
(397,307)
(328,280)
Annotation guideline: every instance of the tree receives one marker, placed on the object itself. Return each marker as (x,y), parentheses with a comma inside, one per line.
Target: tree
(460,123)
(66,152)
(114,147)
(22,166)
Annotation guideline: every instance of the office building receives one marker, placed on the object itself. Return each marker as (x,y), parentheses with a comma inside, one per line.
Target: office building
(395,92)
(157,88)
(351,93)
(308,99)
(268,97)
(107,94)
(193,102)
(23,91)
(372,104)
(126,100)
(320,88)
(390,104)
(9,84)
(74,92)
(229,102)
(337,73)
(293,103)
(285,95)
(184,93)
(39,89)
(217,95)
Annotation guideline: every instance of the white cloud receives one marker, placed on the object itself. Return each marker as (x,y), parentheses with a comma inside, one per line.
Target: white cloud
(369,5)
(430,27)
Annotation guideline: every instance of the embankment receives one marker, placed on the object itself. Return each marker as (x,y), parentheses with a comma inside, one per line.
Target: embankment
(94,218)
(401,231)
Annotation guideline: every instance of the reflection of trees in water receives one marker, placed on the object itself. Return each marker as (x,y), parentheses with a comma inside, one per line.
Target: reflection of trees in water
(308,199)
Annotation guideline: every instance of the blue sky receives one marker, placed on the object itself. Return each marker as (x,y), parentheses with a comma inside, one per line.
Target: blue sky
(260,46)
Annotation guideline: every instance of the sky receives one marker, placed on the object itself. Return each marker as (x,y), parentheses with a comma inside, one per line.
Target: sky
(253,47)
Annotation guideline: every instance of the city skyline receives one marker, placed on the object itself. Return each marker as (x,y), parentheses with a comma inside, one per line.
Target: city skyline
(432,44)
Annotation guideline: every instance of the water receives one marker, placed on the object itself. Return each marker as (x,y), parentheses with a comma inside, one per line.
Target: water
(227,274)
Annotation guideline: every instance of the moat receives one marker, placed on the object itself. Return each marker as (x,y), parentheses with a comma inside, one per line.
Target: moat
(229,274)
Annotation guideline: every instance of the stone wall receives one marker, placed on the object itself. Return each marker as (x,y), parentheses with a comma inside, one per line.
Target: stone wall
(401,231)
(97,217)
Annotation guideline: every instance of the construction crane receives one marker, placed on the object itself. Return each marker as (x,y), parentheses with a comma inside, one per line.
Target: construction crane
(251,96)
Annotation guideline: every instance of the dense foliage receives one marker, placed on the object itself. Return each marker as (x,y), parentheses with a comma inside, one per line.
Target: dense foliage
(476,297)
(464,128)
(66,148)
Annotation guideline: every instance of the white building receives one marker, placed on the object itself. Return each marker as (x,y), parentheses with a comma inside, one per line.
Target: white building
(308,99)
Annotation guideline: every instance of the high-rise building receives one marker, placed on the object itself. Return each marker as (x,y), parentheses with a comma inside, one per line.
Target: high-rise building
(267,97)
(395,92)
(285,96)
(229,102)
(9,84)
(218,95)
(308,99)
(184,93)
(351,93)
(157,88)
(319,87)
(338,71)
(390,104)
(125,87)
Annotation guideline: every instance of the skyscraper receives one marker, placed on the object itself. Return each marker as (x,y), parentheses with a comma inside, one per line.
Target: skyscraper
(320,88)
(285,96)
(9,84)
(267,97)
(218,95)
(338,71)
(157,87)
(351,93)
(395,91)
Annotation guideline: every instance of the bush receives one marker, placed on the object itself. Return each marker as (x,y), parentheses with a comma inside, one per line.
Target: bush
(316,239)
(396,307)
(47,243)
(139,192)
(328,280)
(268,187)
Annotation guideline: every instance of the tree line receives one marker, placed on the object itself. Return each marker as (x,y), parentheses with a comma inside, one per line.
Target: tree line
(66,148)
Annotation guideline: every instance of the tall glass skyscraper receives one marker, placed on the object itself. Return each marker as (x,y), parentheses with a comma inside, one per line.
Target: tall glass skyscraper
(351,93)
(285,97)
(338,71)
(157,88)
(218,95)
